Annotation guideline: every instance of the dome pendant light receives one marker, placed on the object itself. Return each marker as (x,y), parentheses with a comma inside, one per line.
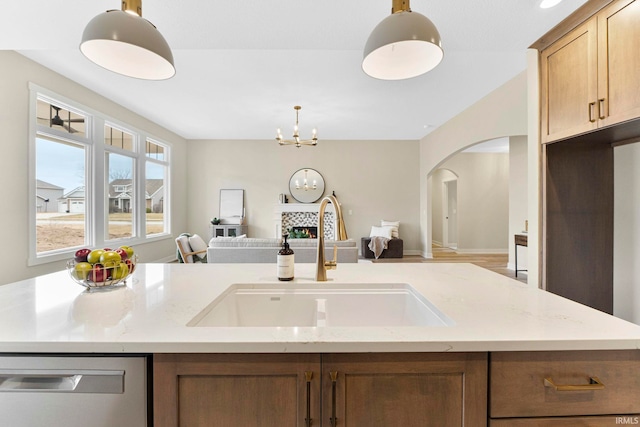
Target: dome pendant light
(125,43)
(405,44)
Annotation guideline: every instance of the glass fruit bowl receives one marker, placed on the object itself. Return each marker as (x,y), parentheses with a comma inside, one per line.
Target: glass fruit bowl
(105,276)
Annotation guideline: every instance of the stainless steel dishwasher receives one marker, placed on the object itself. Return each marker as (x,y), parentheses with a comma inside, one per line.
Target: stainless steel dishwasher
(73,391)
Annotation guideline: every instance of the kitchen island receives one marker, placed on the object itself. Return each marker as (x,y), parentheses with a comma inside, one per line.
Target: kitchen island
(507,355)
(52,314)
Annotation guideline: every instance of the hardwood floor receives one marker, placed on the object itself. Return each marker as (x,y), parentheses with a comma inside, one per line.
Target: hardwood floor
(493,262)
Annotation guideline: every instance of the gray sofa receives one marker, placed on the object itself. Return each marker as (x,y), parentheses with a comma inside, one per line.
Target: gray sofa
(264,250)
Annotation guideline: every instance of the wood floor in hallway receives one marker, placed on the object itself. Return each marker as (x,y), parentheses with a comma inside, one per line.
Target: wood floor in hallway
(493,262)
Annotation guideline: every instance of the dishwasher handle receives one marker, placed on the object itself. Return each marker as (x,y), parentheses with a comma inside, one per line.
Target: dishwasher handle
(62,381)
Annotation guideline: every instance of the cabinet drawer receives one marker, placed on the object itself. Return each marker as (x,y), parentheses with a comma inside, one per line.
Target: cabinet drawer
(608,421)
(522,383)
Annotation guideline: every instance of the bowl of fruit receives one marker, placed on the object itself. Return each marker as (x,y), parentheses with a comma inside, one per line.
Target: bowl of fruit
(102,268)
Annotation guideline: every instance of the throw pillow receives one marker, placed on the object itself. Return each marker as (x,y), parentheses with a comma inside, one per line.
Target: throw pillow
(396,227)
(380,231)
(197,244)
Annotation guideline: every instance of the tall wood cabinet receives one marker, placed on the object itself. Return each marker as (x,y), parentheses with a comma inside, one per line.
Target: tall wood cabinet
(589,77)
(590,100)
(355,390)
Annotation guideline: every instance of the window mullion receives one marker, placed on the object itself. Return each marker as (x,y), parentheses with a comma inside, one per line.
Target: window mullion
(98,210)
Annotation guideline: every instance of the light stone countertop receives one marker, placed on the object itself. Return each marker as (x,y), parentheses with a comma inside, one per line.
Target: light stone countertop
(51,314)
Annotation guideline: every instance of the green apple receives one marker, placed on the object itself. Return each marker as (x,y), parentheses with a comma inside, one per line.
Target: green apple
(94,256)
(81,270)
(110,258)
(120,271)
(128,250)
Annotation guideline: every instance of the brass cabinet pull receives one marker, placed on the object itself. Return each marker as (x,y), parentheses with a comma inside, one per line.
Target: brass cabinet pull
(308,375)
(594,384)
(601,114)
(591,107)
(334,379)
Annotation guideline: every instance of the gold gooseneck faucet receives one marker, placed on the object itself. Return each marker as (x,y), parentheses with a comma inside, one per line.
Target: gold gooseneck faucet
(321,265)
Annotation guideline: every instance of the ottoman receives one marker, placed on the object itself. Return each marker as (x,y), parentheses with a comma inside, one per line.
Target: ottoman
(394,249)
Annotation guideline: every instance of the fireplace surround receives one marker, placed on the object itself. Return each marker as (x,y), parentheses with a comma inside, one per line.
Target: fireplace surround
(303,215)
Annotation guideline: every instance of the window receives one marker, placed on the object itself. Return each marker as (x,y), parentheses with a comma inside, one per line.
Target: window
(119,177)
(56,116)
(120,204)
(96,182)
(60,194)
(155,196)
(157,171)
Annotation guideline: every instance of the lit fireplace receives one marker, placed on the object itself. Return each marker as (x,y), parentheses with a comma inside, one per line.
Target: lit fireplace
(304,232)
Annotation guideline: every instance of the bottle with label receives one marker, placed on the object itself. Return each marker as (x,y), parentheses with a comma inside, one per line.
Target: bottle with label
(285,261)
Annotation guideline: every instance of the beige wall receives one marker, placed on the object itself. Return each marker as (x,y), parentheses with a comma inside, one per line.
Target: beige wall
(626,236)
(518,197)
(16,72)
(373,180)
(501,113)
(483,200)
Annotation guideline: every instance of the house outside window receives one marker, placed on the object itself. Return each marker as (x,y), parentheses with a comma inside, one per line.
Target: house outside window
(81,201)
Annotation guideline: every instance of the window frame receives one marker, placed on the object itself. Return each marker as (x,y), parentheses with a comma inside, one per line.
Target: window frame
(96,211)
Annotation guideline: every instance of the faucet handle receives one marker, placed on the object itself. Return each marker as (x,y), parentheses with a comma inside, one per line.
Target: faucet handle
(333,264)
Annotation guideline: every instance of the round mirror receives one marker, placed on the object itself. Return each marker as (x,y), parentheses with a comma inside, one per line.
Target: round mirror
(306,185)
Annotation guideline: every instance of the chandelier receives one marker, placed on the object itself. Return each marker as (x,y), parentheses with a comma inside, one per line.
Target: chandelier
(305,183)
(296,135)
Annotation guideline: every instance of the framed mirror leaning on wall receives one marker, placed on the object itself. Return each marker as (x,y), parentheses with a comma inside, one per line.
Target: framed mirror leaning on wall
(231,206)
(306,185)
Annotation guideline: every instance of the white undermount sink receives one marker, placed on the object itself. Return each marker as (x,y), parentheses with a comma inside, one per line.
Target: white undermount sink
(321,305)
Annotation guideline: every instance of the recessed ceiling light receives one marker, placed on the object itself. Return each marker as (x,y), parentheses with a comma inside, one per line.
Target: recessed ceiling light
(546,4)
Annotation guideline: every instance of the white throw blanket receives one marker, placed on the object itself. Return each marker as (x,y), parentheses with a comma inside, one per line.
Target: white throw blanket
(378,244)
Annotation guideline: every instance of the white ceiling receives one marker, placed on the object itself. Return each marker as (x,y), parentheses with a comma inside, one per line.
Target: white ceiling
(242,65)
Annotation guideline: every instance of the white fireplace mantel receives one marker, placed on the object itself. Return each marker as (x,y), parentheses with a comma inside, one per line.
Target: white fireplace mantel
(300,207)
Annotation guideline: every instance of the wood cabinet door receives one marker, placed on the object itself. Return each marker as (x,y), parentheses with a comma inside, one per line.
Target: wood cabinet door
(236,390)
(404,389)
(568,86)
(619,62)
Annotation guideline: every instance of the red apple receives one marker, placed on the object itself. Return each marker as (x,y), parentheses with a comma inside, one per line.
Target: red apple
(81,255)
(130,264)
(123,254)
(107,249)
(97,273)
(129,250)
